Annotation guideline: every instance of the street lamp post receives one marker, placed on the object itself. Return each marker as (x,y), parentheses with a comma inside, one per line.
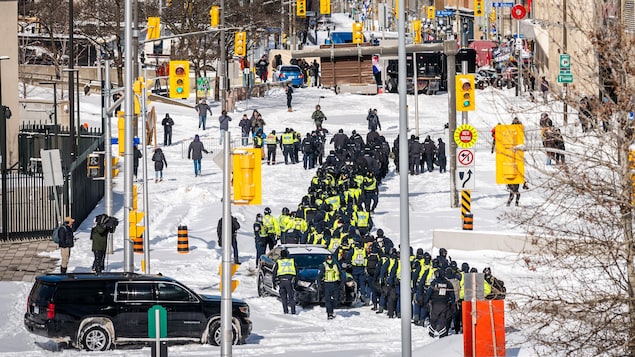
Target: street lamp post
(55,131)
(71,109)
(3,137)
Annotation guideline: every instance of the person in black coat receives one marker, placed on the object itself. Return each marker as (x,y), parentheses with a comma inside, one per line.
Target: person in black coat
(67,241)
(159,162)
(339,140)
(429,149)
(235,227)
(135,160)
(167,123)
(441,158)
(195,152)
(440,295)
(289,97)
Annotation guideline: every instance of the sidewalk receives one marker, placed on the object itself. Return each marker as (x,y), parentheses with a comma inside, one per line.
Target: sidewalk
(19,261)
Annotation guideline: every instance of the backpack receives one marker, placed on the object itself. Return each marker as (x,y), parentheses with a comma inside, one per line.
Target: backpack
(57,231)
(371,264)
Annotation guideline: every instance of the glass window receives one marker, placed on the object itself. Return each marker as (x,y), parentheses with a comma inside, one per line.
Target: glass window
(172,292)
(135,292)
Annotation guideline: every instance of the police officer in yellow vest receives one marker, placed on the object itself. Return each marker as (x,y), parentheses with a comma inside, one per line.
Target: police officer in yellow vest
(284,277)
(272,146)
(330,274)
(357,258)
(286,144)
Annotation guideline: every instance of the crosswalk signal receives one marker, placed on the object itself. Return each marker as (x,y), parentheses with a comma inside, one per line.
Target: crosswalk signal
(301,8)
(95,166)
(247,176)
(416,31)
(478,8)
(358,35)
(240,44)
(465,101)
(214,15)
(179,79)
(431,12)
(325,7)
(510,160)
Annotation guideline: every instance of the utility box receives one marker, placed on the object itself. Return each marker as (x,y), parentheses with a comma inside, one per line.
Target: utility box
(484,330)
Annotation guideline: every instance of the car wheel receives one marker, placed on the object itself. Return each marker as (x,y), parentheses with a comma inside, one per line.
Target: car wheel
(215,335)
(95,338)
(262,292)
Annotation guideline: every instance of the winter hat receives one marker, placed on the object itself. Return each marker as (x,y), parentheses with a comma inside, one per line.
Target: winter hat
(196,137)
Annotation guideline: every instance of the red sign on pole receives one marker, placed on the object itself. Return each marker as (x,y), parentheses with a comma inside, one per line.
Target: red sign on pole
(519,12)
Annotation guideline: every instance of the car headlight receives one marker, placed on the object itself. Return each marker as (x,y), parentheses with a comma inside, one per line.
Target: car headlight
(350,283)
(244,309)
(304,284)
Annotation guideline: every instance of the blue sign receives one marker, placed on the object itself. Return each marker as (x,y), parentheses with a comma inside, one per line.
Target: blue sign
(502,4)
(521,35)
(631,116)
(444,13)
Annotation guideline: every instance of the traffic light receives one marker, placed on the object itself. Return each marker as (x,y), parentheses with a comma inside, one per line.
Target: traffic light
(431,12)
(358,35)
(135,198)
(95,166)
(179,79)
(492,16)
(121,130)
(479,10)
(115,166)
(300,10)
(136,230)
(465,101)
(137,88)
(240,43)
(247,177)
(154,28)
(325,7)
(235,283)
(510,161)
(416,31)
(214,15)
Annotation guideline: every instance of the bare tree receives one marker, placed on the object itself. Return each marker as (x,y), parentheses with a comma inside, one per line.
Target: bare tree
(581,302)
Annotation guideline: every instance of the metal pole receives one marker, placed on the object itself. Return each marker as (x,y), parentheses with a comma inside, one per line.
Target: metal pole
(108,148)
(226,293)
(449,48)
(3,137)
(464,70)
(406,309)
(223,59)
(128,258)
(146,207)
(564,45)
(416,89)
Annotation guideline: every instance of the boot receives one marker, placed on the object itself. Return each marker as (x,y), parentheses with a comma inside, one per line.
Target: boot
(380,311)
(63,270)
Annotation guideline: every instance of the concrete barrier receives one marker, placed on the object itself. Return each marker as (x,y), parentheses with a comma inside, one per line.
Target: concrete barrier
(470,240)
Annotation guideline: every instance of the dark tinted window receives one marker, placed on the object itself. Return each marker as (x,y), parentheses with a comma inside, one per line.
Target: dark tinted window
(134,292)
(171,292)
(81,292)
(310,261)
(290,69)
(41,293)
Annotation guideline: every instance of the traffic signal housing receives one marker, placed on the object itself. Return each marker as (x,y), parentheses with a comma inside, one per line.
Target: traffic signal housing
(153,31)
(247,176)
(416,31)
(431,12)
(492,15)
(95,166)
(240,43)
(465,100)
(300,10)
(479,9)
(510,159)
(325,7)
(235,283)
(179,79)
(214,15)
(115,166)
(358,34)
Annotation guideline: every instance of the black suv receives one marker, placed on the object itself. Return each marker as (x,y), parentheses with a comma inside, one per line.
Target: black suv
(95,312)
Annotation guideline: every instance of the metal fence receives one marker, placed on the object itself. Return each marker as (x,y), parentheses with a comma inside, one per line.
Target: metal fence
(31,212)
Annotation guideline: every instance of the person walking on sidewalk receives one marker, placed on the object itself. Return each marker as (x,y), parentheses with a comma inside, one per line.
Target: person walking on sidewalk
(67,241)
(195,152)
(159,162)
(202,109)
(223,121)
(289,97)
(167,123)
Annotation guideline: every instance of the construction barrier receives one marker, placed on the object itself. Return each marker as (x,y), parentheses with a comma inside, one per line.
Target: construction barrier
(484,329)
(137,244)
(468,221)
(182,244)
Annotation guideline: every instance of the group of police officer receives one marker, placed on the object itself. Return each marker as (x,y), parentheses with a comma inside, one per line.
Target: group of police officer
(337,212)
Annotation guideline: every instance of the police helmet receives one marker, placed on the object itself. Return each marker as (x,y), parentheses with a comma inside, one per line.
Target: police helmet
(453,264)
(380,233)
(443,252)
(465,267)
(284,253)
(487,271)
(267,210)
(419,252)
(473,270)
(435,263)
(285,210)
(449,273)
(439,273)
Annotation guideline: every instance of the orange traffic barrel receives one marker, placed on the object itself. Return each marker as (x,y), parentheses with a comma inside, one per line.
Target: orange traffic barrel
(468,221)
(137,244)
(182,243)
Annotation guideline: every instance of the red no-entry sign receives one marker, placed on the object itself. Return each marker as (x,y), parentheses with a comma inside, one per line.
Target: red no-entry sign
(519,12)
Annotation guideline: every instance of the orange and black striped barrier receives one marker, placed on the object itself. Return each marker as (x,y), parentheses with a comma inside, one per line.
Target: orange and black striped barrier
(182,244)
(137,244)
(468,221)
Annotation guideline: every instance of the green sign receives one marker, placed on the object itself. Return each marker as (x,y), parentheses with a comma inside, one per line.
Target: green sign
(565,62)
(154,313)
(565,78)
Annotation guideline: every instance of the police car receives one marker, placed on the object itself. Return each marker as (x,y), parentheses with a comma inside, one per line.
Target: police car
(308,289)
